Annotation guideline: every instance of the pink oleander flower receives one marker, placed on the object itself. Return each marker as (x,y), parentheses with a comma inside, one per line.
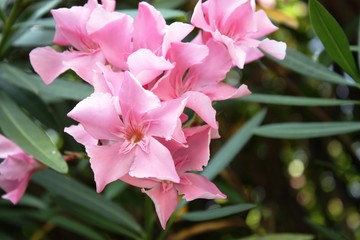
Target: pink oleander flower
(191,186)
(126,129)
(237,25)
(198,74)
(15,170)
(71,31)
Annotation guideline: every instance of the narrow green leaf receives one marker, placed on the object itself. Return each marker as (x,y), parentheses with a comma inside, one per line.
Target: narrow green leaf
(358,45)
(67,89)
(86,197)
(280,236)
(210,214)
(304,65)
(306,130)
(76,227)
(60,88)
(332,37)
(294,101)
(34,37)
(25,133)
(166,13)
(227,153)
(19,78)
(168,4)
(90,217)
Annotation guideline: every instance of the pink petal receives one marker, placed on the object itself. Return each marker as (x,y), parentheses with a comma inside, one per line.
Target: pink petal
(112,31)
(214,68)
(134,98)
(108,164)
(139,182)
(71,27)
(155,162)
(14,189)
(198,18)
(264,24)
(105,80)
(146,66)
(84,64)
(149,28)
(197,153)
(98,115)
(197,186)
(186,55)
(222,91)
(165,199)
(7,147)
(274,48)
(202,105)
(175,32)
(165,118)
(219,11)
(80,135)
(48,63)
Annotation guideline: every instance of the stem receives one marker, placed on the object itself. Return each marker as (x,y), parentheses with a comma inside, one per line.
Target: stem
(8,26)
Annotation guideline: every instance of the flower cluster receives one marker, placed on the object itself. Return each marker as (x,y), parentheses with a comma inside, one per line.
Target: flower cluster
(144,75)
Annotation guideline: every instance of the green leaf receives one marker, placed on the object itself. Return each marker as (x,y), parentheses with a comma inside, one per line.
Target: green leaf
(28,136)
(280,236)
(227,153)
(304,65)
(86,197)
(60,88)
(92,218)
(306,130)
(67,89)
(358,45)
(166,13)
(210,214)
(76,227)
(294,101)
(332,37)
(35,37)
(19,78)
(168,4)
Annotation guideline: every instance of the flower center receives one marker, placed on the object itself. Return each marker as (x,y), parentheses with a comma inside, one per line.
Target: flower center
(135,137)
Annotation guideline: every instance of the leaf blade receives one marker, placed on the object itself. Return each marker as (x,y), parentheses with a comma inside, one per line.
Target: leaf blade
(23,131)
(211,214)
(332,37)
(306,130)
(86,197)
(225,155)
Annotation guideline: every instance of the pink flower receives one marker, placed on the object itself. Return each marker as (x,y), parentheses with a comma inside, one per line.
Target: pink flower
(15,170)
(164,194)
(128,47)
(127,128)
(237,25)
(198,74)
(71,31)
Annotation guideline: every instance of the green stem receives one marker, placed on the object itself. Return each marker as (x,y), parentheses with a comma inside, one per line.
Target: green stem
(8,26)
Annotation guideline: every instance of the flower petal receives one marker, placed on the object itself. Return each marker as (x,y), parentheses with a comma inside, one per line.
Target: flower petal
(108,164)
(197,154)
(134,98)
(197,186)
(165,201)
(155,162)
(274,48)
(149,28)
(146,66)
(202,105)
(98,115)
(80,135)
(7,147)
